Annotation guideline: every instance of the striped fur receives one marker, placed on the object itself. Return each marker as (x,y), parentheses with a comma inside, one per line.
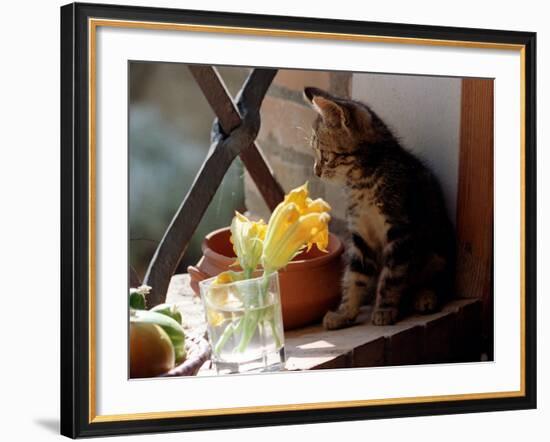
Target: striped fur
(401,253)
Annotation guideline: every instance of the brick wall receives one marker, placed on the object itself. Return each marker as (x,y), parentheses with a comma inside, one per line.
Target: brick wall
(284,139)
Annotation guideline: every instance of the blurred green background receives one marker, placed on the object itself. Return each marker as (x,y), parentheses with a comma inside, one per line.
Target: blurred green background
(169,136)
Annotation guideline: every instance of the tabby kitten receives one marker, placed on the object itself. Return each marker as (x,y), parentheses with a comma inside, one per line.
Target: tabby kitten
(402,246)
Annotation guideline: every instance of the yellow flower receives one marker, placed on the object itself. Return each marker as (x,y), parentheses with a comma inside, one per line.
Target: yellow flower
(220,296)
(227,277)
(296,223)
(247,239)
(214,318)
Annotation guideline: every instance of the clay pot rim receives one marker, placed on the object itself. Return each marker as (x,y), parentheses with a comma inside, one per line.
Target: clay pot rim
(291,267)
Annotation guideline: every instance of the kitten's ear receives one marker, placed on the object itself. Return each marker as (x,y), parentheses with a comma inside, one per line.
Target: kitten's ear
(311,92)
(332,113)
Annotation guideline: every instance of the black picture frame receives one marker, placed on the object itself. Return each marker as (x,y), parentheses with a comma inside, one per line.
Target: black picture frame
(75,247)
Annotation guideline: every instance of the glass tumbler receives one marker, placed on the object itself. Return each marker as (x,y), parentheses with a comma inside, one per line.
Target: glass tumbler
(245,324)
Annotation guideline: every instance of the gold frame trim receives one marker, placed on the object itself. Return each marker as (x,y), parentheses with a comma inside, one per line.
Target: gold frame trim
(93,24)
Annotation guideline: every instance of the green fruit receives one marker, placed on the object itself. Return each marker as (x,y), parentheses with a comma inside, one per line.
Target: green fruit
(137,301)
(169,310)
(172,328)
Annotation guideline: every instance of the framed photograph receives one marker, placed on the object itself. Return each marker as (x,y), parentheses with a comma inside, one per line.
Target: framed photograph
(276,220)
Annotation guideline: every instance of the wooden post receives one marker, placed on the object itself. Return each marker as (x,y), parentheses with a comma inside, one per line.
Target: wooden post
(474,221)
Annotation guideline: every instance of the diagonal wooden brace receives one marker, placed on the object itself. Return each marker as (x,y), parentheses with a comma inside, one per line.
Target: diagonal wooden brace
(188,216)
(242,123)
(249,101)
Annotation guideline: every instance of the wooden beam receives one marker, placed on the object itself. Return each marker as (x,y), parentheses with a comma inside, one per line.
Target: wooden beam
(240,123)
(230,116)
(178,234)
(474,221)
(216,94)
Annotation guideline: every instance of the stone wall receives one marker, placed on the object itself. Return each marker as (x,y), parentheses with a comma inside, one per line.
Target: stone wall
(284,140)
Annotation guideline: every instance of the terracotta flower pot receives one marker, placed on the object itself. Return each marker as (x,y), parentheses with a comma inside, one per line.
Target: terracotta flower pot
(310,283)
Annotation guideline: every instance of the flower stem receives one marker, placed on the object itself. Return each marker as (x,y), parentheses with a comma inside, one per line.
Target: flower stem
(232,328)
(252,319)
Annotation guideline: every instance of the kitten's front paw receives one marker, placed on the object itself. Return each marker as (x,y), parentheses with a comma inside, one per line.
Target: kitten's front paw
(384,316)
(336,320)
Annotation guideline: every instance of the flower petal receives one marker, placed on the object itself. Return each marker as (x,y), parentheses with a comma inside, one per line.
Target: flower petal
(228,277)
(247,238)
